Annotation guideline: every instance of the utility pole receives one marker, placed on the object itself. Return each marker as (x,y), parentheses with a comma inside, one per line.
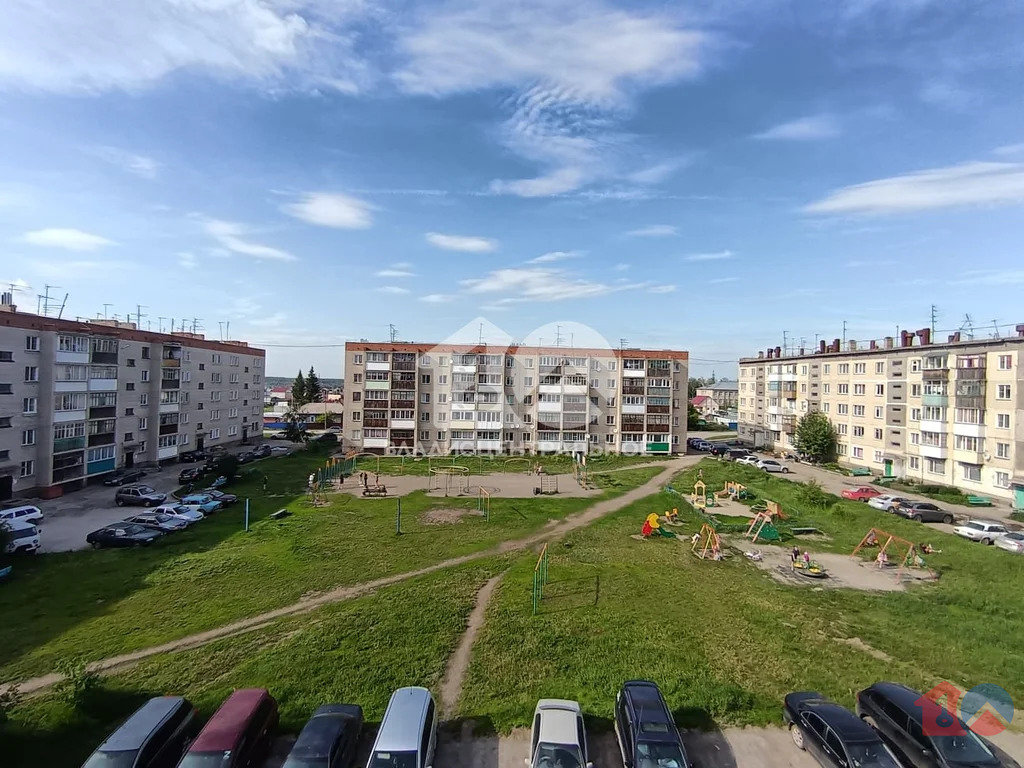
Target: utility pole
(623,343)
(935,315)
(393,331)
(844,333)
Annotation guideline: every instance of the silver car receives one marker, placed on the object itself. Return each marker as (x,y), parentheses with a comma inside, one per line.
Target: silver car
(1012,542)
(408,732)
(770,465)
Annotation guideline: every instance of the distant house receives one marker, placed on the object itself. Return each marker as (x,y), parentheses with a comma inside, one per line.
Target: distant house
(720,397)
(275,395)
(313,415)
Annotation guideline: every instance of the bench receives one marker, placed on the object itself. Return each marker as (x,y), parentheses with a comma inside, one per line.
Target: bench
(860,472)
(375,490)
(979,501)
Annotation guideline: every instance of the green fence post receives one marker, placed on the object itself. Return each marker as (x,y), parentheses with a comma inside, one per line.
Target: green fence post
(398,519)
(534,593)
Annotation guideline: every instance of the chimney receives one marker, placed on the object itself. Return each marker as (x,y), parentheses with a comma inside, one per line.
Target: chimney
(760,355)
(835,345)
(1020,330)
(888,342)
(778,351)
(954,337)
(821,346)
(769,353)
(873,344)
(7,302)
(801,351)
(906,339)
(852,345)
(925,335)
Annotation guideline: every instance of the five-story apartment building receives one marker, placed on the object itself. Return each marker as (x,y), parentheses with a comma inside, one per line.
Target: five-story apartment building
(442,398)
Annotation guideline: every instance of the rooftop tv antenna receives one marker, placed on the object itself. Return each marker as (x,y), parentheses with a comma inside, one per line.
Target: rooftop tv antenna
(47,305)
(480,335)
(935,316)
(160,320)
(139,315)
(995,329)
(968,327)
(393,332)
(558,335)
(623,343)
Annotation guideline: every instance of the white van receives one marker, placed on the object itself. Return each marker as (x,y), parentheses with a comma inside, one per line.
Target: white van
(24,537)
(28,514)
(408,732)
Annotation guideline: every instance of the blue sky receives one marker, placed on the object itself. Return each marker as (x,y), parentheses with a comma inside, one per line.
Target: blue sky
(696,175)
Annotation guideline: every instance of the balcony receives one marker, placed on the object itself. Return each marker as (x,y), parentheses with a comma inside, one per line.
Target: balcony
(631,408)
(403,424)
(574,407)
(633,373)
(70,472)
(102,385)
(103,412)
(170,362)
(375,422)
(174,383)
(788,426)
(377,385)
(934,425)
(403,385)
(935,401)
(633,389)
(404,366)
(935,374)
(169,407)
(168,452)
(969,430)
(101,466)
(970,374)
(375,442)
(166,429)
(77,358)
(103,358)
(101,439)
(65,444)
(77,385)
(970,401)
(968,457)
(464,369)
(61,417)
(488,445)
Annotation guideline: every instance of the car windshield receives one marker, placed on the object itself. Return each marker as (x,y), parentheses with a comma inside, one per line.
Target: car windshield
(659,756)
(1015,536)
(393,760)
(123,759)
(160,517)
(976,526)
(206,760)
(145,489)
(557,756)
(24,533)
(872,754)
(965,748)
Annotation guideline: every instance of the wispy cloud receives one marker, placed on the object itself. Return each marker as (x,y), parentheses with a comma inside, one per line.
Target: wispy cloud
(131,162)
(554,256)
(974,183)
(187,260)
(232,237)
(394,272)
(719,280)
(948,95)
(804,129)
(395,289)
(436,298)
(540,284)
(659,172)
(714,256)
(655,230)
(276,320)
(621,267)
(332,209)
(464,243)
(990,277)
(68,239)
(661,289)
(1010,149)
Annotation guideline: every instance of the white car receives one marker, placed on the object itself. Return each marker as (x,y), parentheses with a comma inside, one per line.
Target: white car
(189,513)
(279,450)
(1012,542)
(886,502)
(985,531)
(27,514)
(770,465)
(753,461)
(558,739)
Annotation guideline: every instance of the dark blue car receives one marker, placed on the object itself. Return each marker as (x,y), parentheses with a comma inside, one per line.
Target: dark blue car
(645,729)
(834,735)
(329,739)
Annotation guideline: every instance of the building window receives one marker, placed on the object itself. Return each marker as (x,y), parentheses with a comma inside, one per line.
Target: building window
(858,389)
(915,364)
(915,438)
(425,416)
(1002,480)
(425,378)
(232,430)
(878,434)
(971,472)
(31,343)
(842,429)
(878,457)
(1003,450)
(935,466)
(425,397)
(858,410)
(878,412)
(857,431)
(880,367)
(844,368)
(29,405)
(1003,420)
(825,407)
(879,389)
(357,359)
(28,437)
(826,369)
(826,388)
(915,462)
(143,423)
(860,368)
(915,414)
(1003,392)
(858,452)
(1005,362)
(31,373)
(28,468)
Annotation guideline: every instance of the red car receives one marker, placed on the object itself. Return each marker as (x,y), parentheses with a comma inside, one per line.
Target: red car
(863,493)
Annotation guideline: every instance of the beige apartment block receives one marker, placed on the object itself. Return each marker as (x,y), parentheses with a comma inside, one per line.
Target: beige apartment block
(946,413)
(79,399)
(444,398)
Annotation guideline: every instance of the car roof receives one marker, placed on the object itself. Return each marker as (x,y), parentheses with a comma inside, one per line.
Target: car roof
(323,729)
(19,525)
(986,522)
(400,729)
(558,721)
(21,508)
(847,725)
(650,708)
(223,729)
(134,731)
(902,696)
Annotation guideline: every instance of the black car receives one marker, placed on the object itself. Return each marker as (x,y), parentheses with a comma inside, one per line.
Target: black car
(123,476)
(834,735)
(329,739)
(190,474)
(924,734)
(224,498)
(719,449)
(155,736)
(190,456)
(262,452)
(123,535)
(245,458)
(923,512)
(139,496)
(644,727)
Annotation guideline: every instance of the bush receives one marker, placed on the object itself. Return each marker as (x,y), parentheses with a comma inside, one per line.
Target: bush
(78,685)
(1018,516)
(813,495)
(227,466)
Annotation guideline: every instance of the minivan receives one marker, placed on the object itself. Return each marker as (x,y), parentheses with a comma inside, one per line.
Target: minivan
(408,732)
(155,736)
(28,514)
(238,735)
(24,537)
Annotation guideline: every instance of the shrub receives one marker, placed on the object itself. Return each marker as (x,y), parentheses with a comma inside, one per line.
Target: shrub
(78,685)
(9,699)
(226,466)
(813,495)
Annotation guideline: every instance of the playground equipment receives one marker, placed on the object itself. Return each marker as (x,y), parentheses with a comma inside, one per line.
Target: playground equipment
(706,544)
(579,470)
(904,552)
(699,497)
(518,464)
(375,490)
(762,527)
(811,569)
(548,486)
(450,479)
(652,527)
(734,491)
(540,578)
(483,502)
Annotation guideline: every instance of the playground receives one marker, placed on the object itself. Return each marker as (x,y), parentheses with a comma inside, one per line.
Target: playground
(509,485)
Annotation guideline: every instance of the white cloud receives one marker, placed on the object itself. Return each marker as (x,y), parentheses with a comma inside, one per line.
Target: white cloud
(991,277)
(947,95)
(140,165)
(554,256)
(719,280)
(436,298)
(661,289)
(187,260)
(555,183)
(393,272)
(93,46)
(621,267)
(275,320)
(657,173)
(1010,149)
(714,256)
(655,230)
(332,209)
(231,237)
(465,243)
(803,129)
(540,284)
(973,183)
(68,239)
(394,289)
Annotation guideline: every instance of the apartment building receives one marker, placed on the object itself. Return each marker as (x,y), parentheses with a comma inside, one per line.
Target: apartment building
(720,397)
(443,398)
(80,399)
(949,413)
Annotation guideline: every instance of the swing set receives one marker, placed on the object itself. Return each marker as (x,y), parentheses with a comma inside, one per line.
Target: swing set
(904,552)
(708,546)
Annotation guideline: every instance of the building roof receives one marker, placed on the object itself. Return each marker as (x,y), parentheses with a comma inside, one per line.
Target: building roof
(721,385)
(699,399)
(514,349)
(320,409)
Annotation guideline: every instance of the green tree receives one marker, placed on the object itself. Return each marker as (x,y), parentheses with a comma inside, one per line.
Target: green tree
(294,430)
(314,389)
(816,437)
(299,391)
(692,417)
(813,495)
(696,383)
(226,466)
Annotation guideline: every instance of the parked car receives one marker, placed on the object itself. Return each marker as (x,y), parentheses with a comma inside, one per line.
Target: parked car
(27,514)
(863,493)
(123,477)
(154,736)
(237,735)
(922,733)
(278,450)
(24,537)
(718,449)
(329,739)
(557,737)
(834,735)
(645,729)
(923,512)
(985,531)
(189,474)
(123,535)
(770,465)
(886,502)
(735,454)
(158,520)
(190,456)
(1012,542)
(138,496)
(749,460)
(225,499)
(408,732)
(262,451)
(200,500)
(189,513)
(246,457)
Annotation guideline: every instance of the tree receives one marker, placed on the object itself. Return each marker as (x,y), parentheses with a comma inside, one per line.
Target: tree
(693,417)
(295,429)
(696,383)
(816,437)
(813,495)
(299,391)
(226,466)
(314,389)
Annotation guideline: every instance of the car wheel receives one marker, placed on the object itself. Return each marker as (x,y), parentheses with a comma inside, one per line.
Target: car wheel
(96,545)
(916,518)
(798,737)
(785,470)
(119,502)
(986,542)
(147,503)
(948,519)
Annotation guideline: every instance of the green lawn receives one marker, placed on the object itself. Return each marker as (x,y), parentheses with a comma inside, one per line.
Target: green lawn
(354,652)
(95,604)
(726,641)
(485,464)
